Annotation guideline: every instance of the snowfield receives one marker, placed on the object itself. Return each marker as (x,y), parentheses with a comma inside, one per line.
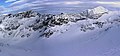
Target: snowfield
(93,32)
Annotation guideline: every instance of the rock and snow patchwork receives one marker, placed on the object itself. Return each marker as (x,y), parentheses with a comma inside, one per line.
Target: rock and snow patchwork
(93,32)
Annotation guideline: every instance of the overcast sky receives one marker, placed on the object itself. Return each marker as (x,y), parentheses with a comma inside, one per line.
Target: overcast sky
(13,6)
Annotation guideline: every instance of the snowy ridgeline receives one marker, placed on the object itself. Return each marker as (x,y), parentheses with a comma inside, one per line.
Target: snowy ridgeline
(15,28)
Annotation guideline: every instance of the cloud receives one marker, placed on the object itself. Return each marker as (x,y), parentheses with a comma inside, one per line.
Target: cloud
(19,2)
(22,5)
(111,3)
(52,3)
(63,3)
(2,8)
(73,2)
(36,4)
(10,1)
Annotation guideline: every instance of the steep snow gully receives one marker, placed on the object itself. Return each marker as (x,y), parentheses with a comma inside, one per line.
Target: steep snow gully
(93,32)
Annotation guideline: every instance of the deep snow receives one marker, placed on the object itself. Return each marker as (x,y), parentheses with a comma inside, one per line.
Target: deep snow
(89,37)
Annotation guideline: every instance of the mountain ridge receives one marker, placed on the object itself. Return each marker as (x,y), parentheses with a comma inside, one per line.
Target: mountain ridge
(25,24)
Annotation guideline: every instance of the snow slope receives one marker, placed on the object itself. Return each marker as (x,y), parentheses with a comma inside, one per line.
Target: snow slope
(32,34)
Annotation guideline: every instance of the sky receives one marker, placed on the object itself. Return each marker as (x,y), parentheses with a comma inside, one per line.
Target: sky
(54,6)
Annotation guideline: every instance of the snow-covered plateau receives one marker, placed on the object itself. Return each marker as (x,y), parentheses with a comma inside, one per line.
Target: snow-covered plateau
(93,32)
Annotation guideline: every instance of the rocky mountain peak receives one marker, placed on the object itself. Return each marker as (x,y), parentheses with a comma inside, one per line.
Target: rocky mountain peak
(25,14)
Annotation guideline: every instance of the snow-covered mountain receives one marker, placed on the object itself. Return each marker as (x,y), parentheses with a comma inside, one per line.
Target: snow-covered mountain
(95,13)
(93,32)
(98,10)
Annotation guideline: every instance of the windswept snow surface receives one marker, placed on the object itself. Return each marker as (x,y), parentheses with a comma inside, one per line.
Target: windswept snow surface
(97,36)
